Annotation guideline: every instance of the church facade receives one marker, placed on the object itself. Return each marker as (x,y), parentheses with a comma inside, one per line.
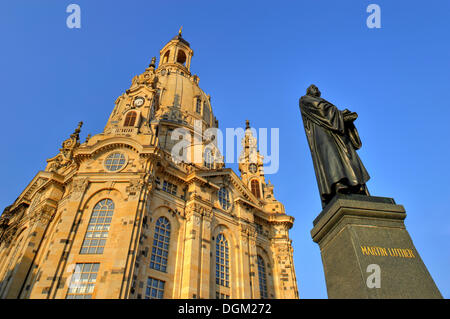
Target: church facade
(117,216)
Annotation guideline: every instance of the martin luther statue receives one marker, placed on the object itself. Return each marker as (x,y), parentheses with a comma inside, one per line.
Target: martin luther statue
(333,141)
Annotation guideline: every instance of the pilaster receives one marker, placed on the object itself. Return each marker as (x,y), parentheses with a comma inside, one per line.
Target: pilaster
(191,264)
(205,255)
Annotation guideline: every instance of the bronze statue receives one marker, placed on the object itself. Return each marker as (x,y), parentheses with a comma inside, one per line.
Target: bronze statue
(333,141)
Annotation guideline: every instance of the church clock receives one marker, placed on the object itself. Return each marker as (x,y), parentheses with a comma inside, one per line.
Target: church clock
(139,101)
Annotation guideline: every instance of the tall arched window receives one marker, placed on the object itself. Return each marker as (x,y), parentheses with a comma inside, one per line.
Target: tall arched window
(166,57)
(255,188)
(224,198)
(222,261)
(198,106)
(206,113)
(160,250)
(130,119)
(262,278)
(208,159)
(98,228)
(181,57)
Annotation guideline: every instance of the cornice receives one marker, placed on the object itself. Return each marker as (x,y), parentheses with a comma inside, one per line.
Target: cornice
(42,179)
(110,144)
(281,219)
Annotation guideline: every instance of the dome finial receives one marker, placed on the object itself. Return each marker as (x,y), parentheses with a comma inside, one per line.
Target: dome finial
(247,124)
(179,31)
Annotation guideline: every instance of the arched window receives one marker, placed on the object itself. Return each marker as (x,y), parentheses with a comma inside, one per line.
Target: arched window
(83,279)
(222,261)
(208,159)
(166,57)
(98,228)
(224,198)
(181,57)
(206,113)
(262,278)
(130,119)
(255,188)
(198,106)
(160,250)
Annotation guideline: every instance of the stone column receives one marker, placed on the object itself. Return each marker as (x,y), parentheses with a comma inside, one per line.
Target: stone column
(205,255)
(38,223)
(253,265)
(367,251)
(245,272)
(55,273)
(137,192)
(283,269)
(191,267)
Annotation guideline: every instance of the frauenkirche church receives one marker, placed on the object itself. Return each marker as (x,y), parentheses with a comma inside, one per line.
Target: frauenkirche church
(117,217)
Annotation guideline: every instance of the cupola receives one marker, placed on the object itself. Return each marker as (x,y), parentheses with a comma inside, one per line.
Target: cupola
(176,53)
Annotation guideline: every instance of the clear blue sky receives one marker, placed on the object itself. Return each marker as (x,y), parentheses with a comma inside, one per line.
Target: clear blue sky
(256,59)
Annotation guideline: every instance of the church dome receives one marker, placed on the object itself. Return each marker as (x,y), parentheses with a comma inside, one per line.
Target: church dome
(180,91)
(180,97)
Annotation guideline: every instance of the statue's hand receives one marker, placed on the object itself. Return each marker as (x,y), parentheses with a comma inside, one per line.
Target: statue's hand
(350,116)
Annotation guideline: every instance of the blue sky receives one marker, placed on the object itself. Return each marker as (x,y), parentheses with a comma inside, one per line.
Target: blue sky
(255,59)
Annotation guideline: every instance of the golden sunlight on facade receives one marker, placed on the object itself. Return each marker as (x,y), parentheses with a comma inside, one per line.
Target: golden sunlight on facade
(117,217)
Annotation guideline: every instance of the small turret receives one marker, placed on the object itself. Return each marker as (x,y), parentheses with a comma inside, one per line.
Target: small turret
(251,163)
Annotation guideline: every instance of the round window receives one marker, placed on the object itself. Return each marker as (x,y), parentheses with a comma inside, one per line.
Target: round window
(115,161)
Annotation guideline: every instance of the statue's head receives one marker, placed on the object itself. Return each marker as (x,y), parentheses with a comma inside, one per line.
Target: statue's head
(313,90)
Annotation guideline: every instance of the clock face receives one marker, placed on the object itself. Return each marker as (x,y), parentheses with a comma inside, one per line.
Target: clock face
(253,168)
(139,101)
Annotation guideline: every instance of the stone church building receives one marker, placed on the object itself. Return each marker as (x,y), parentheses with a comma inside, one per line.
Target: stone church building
(116,216)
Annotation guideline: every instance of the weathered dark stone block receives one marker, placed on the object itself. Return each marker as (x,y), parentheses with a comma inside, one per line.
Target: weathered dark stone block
(354,232)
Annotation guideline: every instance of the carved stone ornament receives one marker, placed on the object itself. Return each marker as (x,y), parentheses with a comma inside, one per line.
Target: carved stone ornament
(134,188)
(78,188)
(42,216)
(9,235)
(194,211)
(175,114)
(65,156)
(4,221)
(283,250)
(190,212)
(207,213)
(9,223)
(36,200)
(248,230)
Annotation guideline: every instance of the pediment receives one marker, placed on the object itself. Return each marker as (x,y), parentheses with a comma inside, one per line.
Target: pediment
(228,178)
(41,179)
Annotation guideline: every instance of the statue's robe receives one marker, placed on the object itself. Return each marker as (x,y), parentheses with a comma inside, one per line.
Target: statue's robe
(333,145)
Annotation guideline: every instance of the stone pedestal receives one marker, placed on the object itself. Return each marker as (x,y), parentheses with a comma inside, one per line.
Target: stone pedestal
(364,244)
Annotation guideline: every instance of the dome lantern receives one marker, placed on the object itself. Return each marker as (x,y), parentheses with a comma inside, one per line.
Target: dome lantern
(177,53)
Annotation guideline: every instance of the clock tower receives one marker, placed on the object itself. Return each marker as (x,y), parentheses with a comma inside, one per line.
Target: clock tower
(251,163)
(251,167)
